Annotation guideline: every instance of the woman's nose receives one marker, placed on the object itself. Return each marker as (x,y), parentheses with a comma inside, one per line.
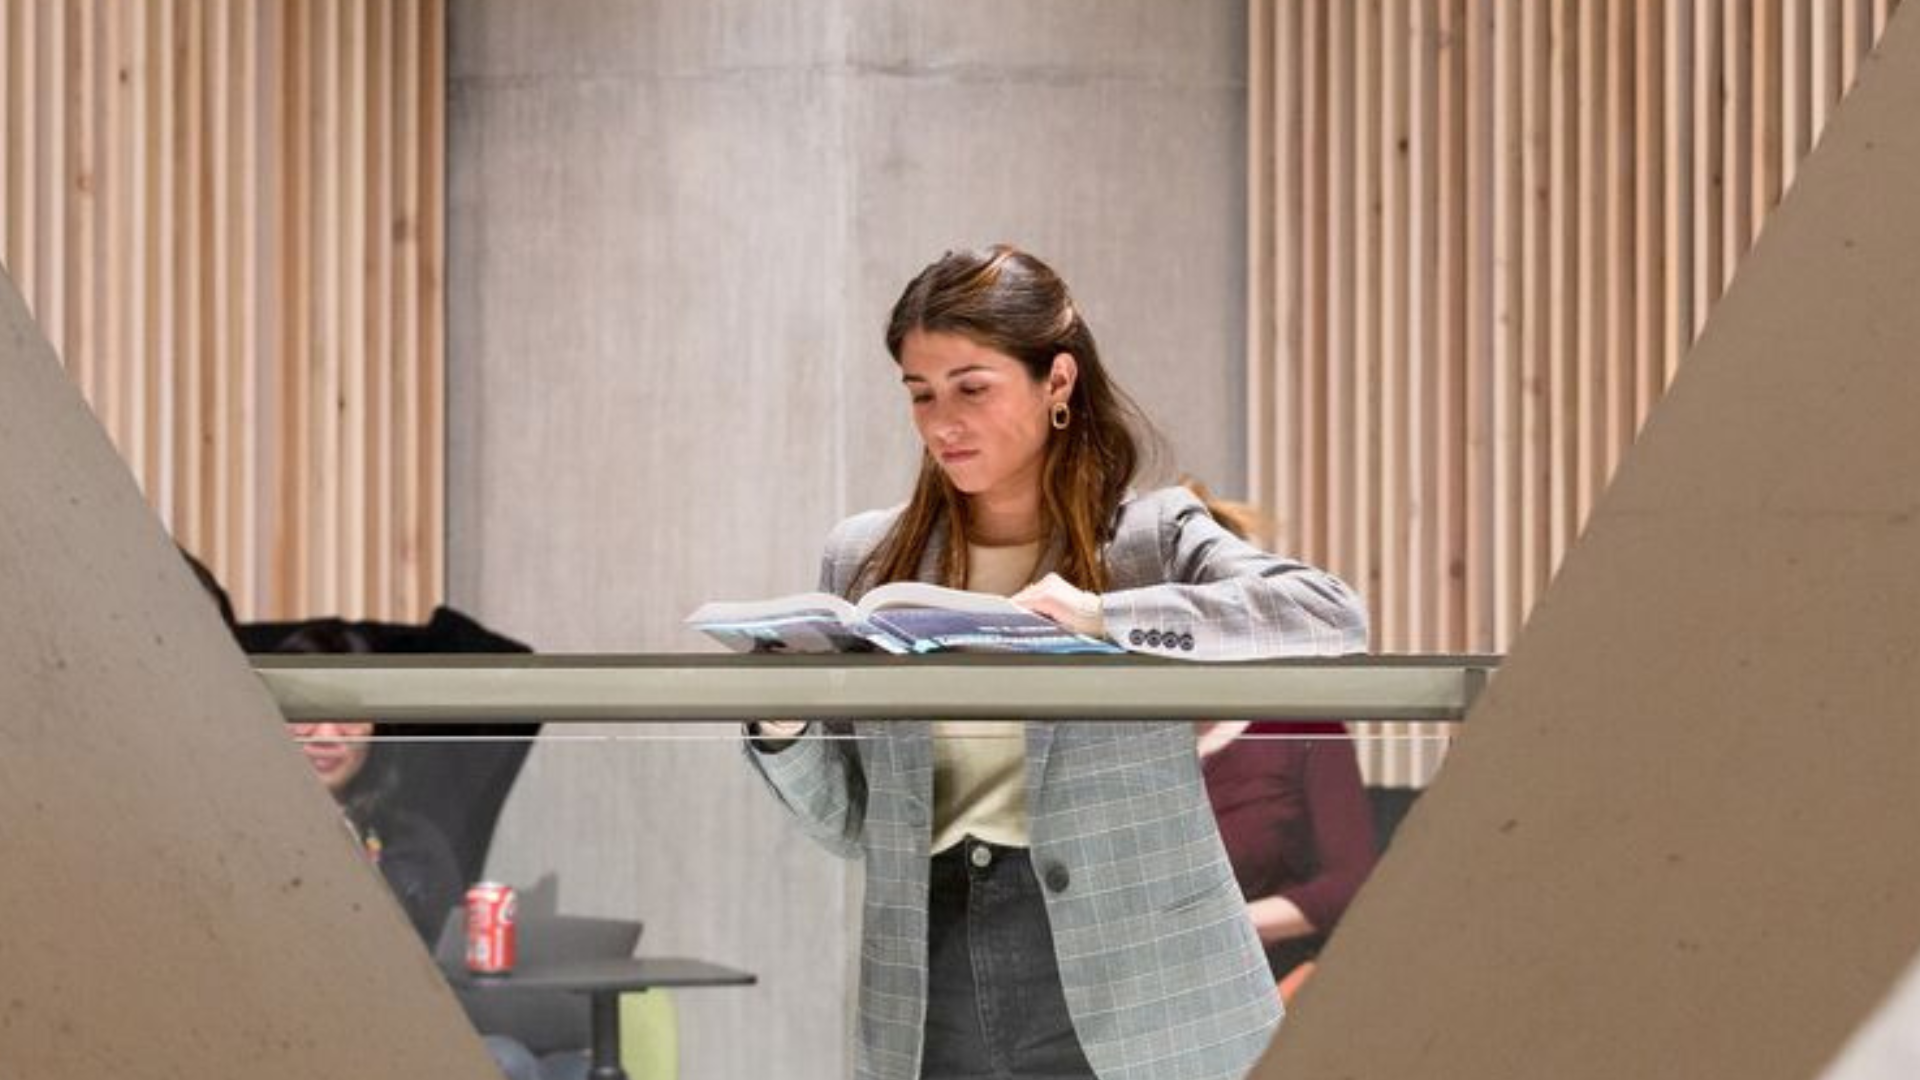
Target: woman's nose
(941,423)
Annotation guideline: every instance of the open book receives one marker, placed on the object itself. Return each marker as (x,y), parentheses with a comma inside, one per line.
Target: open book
(903,617)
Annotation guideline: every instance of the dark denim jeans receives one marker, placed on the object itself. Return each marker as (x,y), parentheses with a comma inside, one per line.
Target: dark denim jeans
(994,1006)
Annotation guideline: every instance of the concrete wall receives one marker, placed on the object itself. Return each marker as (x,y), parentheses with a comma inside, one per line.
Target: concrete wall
(181,899)
(675,231)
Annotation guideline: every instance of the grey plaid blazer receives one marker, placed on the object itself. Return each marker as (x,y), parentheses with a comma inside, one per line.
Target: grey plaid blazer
(1164,976)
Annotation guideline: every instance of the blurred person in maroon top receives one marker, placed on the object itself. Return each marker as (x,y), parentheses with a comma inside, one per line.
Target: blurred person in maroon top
(1292,812)
(1297,827)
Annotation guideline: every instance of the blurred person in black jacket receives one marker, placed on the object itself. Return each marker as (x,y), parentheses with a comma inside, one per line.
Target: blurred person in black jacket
(411,852)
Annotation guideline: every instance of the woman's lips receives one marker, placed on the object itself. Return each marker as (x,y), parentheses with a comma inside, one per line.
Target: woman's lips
(955,457)
(325,761)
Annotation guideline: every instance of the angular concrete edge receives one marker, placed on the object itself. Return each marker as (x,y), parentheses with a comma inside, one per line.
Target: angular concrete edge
(180,894)
(1677,839)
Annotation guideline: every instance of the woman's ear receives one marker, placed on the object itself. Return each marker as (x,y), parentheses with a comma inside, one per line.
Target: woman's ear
(1066,370)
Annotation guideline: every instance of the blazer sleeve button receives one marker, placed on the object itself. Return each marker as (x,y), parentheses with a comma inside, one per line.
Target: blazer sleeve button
(1153,638)
(1057,878)
(1186,642)
(1136,638)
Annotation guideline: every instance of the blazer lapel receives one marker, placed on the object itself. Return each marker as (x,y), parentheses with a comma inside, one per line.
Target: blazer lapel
(1039,747)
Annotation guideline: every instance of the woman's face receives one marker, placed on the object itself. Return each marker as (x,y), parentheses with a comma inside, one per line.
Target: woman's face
(981,416)
(337,750)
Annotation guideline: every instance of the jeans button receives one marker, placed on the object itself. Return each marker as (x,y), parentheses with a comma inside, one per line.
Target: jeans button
(980,856)
(1058,878)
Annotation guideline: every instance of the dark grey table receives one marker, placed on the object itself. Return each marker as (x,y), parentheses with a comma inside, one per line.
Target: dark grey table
(603,981)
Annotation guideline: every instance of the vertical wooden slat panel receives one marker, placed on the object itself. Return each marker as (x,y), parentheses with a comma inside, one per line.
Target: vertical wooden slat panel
(1591,335)
(217,227)
(326,328)
(433,75)
(1262,230)
(9,76)
(1649,175)
(1354,431)
(1768,117)
(1451,399)
(1340,280)
(83,108)
(1314,291)
(1620,168)
(1536,343)
(156,50)
(1284,255)
(20,174)
(1736,134)
(379,305)
(1708,161)
(1679,200)
(1796,78)
(162,284)
(351,330)
(132,90)
(1476,376)
(1563,349)
(410,509)
(1390,510)
(109,401)
(1856,26)
(1363,429)
(189,268)
(1395,459)
(133,218)
(1827,44)
(244,420)
(298,515)
(1563,192)
(1424,575)
(1506,209)
(55,157)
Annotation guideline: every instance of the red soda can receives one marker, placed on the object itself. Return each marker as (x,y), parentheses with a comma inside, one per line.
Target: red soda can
(490,928)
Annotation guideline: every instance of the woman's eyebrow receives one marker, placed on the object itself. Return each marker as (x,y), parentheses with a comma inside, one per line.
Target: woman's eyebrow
(951,375)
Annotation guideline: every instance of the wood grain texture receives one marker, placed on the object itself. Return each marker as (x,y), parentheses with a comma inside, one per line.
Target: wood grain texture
(226,214)
(1506,224)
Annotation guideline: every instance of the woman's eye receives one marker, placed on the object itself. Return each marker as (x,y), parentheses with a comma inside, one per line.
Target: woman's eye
(919,399)
(973,391)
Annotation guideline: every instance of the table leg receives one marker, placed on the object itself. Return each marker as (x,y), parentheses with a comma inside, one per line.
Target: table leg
(606,1037)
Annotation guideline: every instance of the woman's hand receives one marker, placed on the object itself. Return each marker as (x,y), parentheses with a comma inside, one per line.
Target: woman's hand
(776,735)
(1276,918)
(1072,608)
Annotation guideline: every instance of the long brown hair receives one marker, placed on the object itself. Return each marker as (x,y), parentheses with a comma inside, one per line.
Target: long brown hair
(1006,300)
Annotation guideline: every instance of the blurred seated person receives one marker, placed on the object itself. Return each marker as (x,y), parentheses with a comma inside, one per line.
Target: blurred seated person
(1297,827)
(457,787)
(1292,812)
(410,851)
(412,855)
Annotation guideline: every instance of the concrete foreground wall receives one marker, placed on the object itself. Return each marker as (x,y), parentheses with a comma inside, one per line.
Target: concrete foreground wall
(181,898)
(1679,838)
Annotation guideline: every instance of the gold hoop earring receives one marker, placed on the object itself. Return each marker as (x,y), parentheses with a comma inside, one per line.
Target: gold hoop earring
(1062,416)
